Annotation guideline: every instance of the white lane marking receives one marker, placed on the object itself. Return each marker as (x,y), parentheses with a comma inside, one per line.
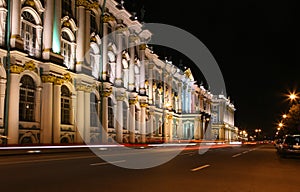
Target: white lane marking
(201,167)
(236,155)
(105,163)
(245,152)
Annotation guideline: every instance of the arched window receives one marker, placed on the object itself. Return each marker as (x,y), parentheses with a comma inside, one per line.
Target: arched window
(111,117)
(94,117)
(29,33)
(125,121)
(66,49)
(27,99)
(65,105)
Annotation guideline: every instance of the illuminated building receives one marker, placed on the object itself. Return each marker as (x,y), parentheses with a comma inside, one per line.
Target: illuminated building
(64,77)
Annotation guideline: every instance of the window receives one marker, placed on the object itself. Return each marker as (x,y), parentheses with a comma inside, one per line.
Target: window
(27,99)
(65,105)
(110,113)
(66,50)
(67,8)
(28,33)
(125,109)
(94,118)
(94,27)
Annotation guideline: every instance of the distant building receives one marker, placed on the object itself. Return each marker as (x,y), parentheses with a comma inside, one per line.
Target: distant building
(222,110)
(67,79)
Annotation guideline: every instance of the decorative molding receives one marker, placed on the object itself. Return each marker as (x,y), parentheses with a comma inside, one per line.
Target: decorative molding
(107,18)
(58,81)
(133,101)
(30,3)
(48,78)
(16,69)
(144,104)
(143,46)
(67,77)
(30,66)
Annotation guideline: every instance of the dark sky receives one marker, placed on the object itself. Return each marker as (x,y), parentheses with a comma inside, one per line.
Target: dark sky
(255,43)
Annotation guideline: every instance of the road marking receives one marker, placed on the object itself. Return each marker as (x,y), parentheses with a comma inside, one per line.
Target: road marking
(201,167)
(236,155)
(105,163)
(190,153)
(245,152)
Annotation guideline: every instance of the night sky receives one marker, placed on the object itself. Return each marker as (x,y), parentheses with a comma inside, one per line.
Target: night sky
(255,43)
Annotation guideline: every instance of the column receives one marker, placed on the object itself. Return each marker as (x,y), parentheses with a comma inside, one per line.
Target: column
(119,67)
(56,111)
(104,47)
(48,28)
(16,40)
(196,129)
(38,104)
(131,82)
(2,99)
(104,131)
(87,36)
(80,37)
(125,77)
(142,48)
(143,122)
(47,109)
(56,37)
(170,92)
(201,127)
(38,42)
(151,124)
(132,102)
(13,109)
(119,118)
(180,98)
(80,114)
(87,114)
(184,99)
(170,128)
(150,99)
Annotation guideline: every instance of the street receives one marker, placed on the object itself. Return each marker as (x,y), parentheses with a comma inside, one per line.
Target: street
(228,168)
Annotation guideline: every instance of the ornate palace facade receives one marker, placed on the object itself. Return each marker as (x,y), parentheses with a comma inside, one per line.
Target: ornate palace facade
(69,81)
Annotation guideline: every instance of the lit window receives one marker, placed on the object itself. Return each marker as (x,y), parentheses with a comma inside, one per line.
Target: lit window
(94,117)
(111,117)
(65,105)
(28,33)
(66,49)
(27,98)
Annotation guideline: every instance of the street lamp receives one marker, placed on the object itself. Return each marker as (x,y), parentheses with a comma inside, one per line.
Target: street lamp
(258,133)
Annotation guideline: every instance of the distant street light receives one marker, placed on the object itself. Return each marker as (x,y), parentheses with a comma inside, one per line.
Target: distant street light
(284,116)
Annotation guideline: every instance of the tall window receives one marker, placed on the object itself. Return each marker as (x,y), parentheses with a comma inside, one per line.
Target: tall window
(110,113)
(66,49)
(125,110)
(67,8)
(94,118)
(27,98)
(65,105)
(94,27)
(28,33)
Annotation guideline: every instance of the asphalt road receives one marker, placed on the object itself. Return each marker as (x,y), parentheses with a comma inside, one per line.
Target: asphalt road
(234,168)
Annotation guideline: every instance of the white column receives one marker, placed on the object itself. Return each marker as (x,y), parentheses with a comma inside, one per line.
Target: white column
(132,102)
(56,113)
(2,99)
(119,119)
(131,82)
(180,98)
(170,90)
(13,109)
(196,129)
(143,122)
(16,22)
(119,67)
(80,115)
(48,28)
(142,69)
(150,99)
(80,37)
(170,127)
(87,36)
(151,124)
(104,50)
(38,104)
(104,137)
(46,112)
(87,114)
